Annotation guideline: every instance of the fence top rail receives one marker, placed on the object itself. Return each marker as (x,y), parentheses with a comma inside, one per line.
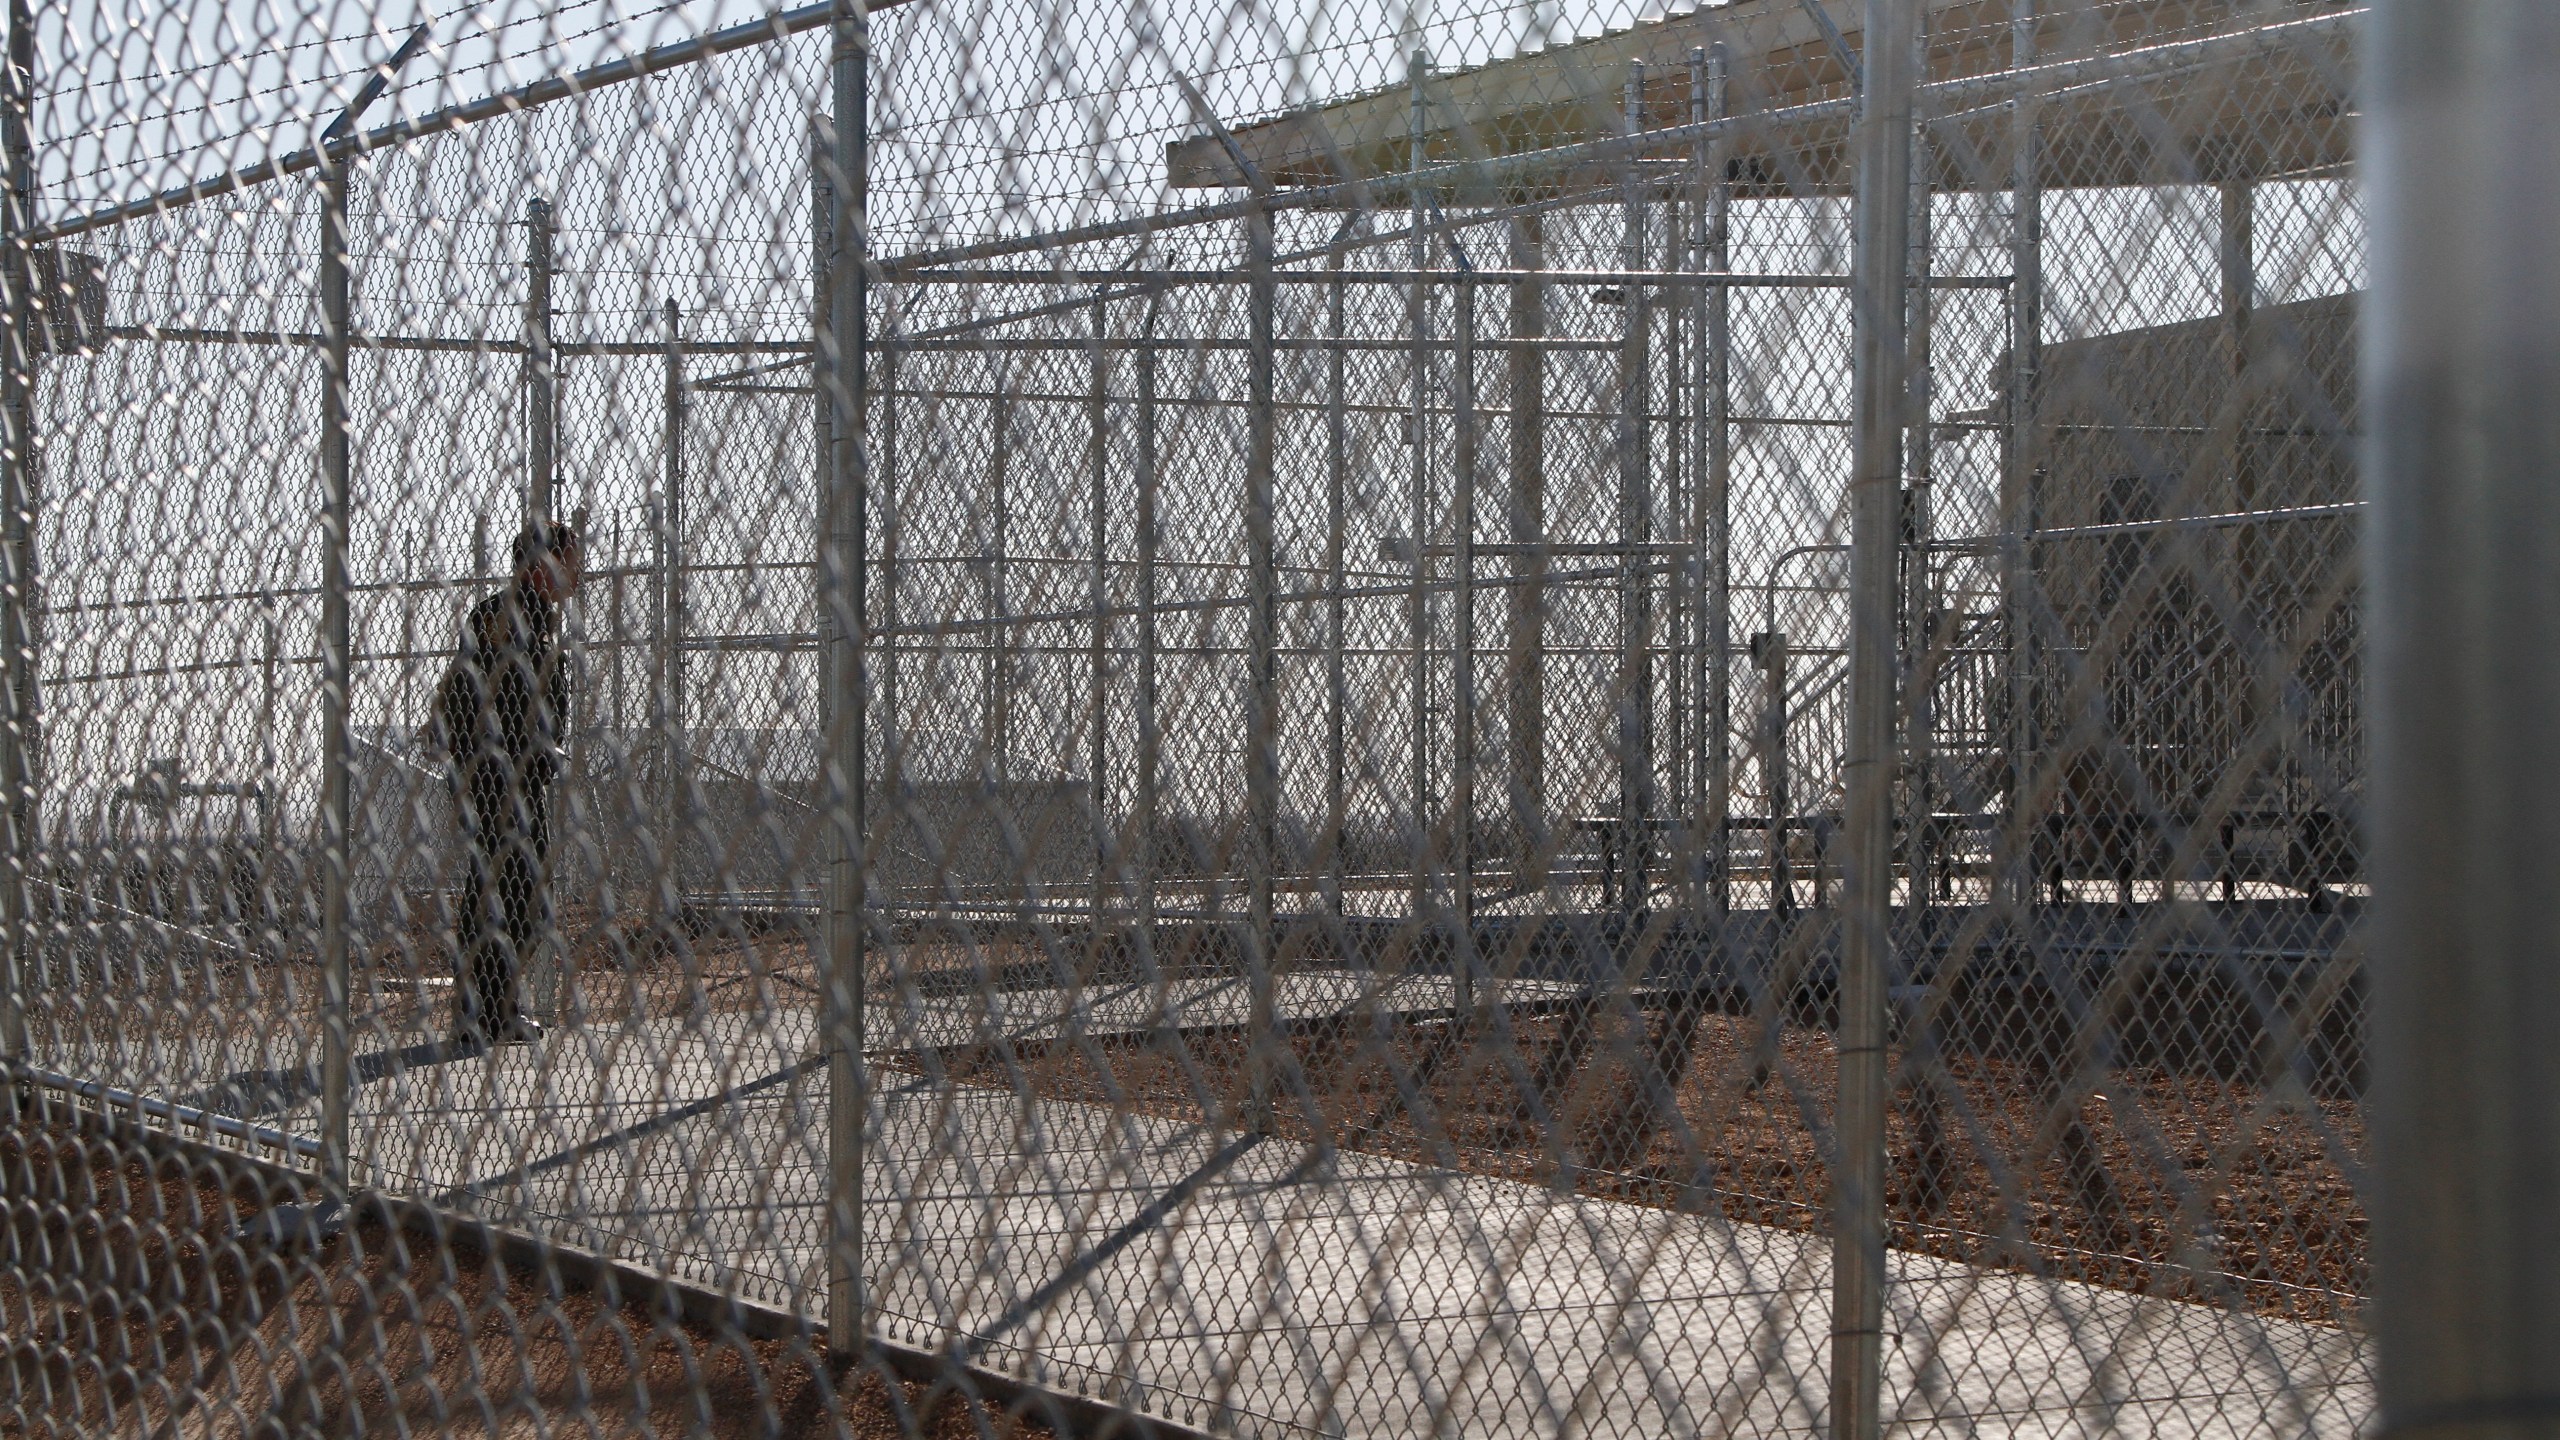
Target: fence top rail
(1146,280)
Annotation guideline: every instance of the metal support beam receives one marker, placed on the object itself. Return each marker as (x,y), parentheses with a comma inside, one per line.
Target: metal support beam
(2462,344)
(1918,601)
(1337,446)
(20,750)
(541,369)
(841,346)
(671,618)
(1262,717)
(1879,407)
(1418,441)
(336,817)
(1098,588)
(1711,526)
(1632,737)
(2022,447)
(1526,529)
(1462,681)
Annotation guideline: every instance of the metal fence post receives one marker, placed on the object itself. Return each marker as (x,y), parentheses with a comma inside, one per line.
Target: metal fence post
(839,355)
(18,744)
(1526,527)
(1711,526)
(541,374)
(1634,709)
(1337,460)
(1878,306)
(1098,595)
(1262,719)
(2018,463)
(671,620)
(336,945)
(1418,327)
(2462,347)
(1462,682)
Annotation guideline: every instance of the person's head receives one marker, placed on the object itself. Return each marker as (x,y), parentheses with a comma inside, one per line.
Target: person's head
(551,560)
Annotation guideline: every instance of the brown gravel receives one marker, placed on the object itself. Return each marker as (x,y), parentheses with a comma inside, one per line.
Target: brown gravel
(2173,1183)
(125,1308)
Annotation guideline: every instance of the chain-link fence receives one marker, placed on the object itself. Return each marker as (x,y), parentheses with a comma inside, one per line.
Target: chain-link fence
(1262,719)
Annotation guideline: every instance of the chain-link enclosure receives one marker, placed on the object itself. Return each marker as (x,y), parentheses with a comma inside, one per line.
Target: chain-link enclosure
(1261,719)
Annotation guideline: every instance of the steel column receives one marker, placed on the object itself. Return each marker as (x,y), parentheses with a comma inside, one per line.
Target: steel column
(1462,681)
(1337,460)
(1882,223)
(20,750)
(839,211)
(1633,737)
(1710,527)
(1262,718)
(2462,345)
(1418,530)
(2019,467)
(1526,529)
(671,620)
(541,375)
(336,830)
(1098,589)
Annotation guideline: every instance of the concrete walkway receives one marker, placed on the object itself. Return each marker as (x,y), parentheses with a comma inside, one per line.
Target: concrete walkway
(1263,1287)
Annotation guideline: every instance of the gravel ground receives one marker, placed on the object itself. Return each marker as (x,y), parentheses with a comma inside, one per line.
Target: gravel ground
(126,1308)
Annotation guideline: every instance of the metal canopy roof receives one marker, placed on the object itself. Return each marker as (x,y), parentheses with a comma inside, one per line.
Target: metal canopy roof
(2131,92)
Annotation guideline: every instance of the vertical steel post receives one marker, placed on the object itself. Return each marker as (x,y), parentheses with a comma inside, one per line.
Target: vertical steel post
(2019,463)
(1098,595)
(671,619)
(1262,719)
(2462,345)
(541,371)
(1918,591)
(1718,496)
(1462,680)
(1634,729)
(1150,742)
(336,943)
(1418,330)
(1337,463)
(19,748)
(1882,223)
(839,357)
(1527,532)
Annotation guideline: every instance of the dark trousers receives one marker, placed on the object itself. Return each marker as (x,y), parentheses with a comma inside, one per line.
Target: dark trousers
(506,833)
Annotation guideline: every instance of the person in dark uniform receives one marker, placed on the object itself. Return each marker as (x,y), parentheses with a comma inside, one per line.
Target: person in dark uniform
(503,715)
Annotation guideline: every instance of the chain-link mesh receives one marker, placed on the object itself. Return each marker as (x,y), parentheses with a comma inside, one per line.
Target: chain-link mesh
(734,721)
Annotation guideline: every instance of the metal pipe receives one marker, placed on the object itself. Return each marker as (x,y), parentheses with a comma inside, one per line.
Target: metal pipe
(336,809)
(671,598)
(1526,530)
(840,213)
(20,749)
(1917,608)
(1418,435)
(1262,719)
(1878,308)
(1098,663)
(1150,742)
(1337,446)
(2462,349)
(1462,681)
(1633,738)
(541,369)
(2022,446)
(1715,498)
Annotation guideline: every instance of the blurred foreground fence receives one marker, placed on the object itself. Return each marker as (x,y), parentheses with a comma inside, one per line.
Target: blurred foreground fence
(1266,720)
